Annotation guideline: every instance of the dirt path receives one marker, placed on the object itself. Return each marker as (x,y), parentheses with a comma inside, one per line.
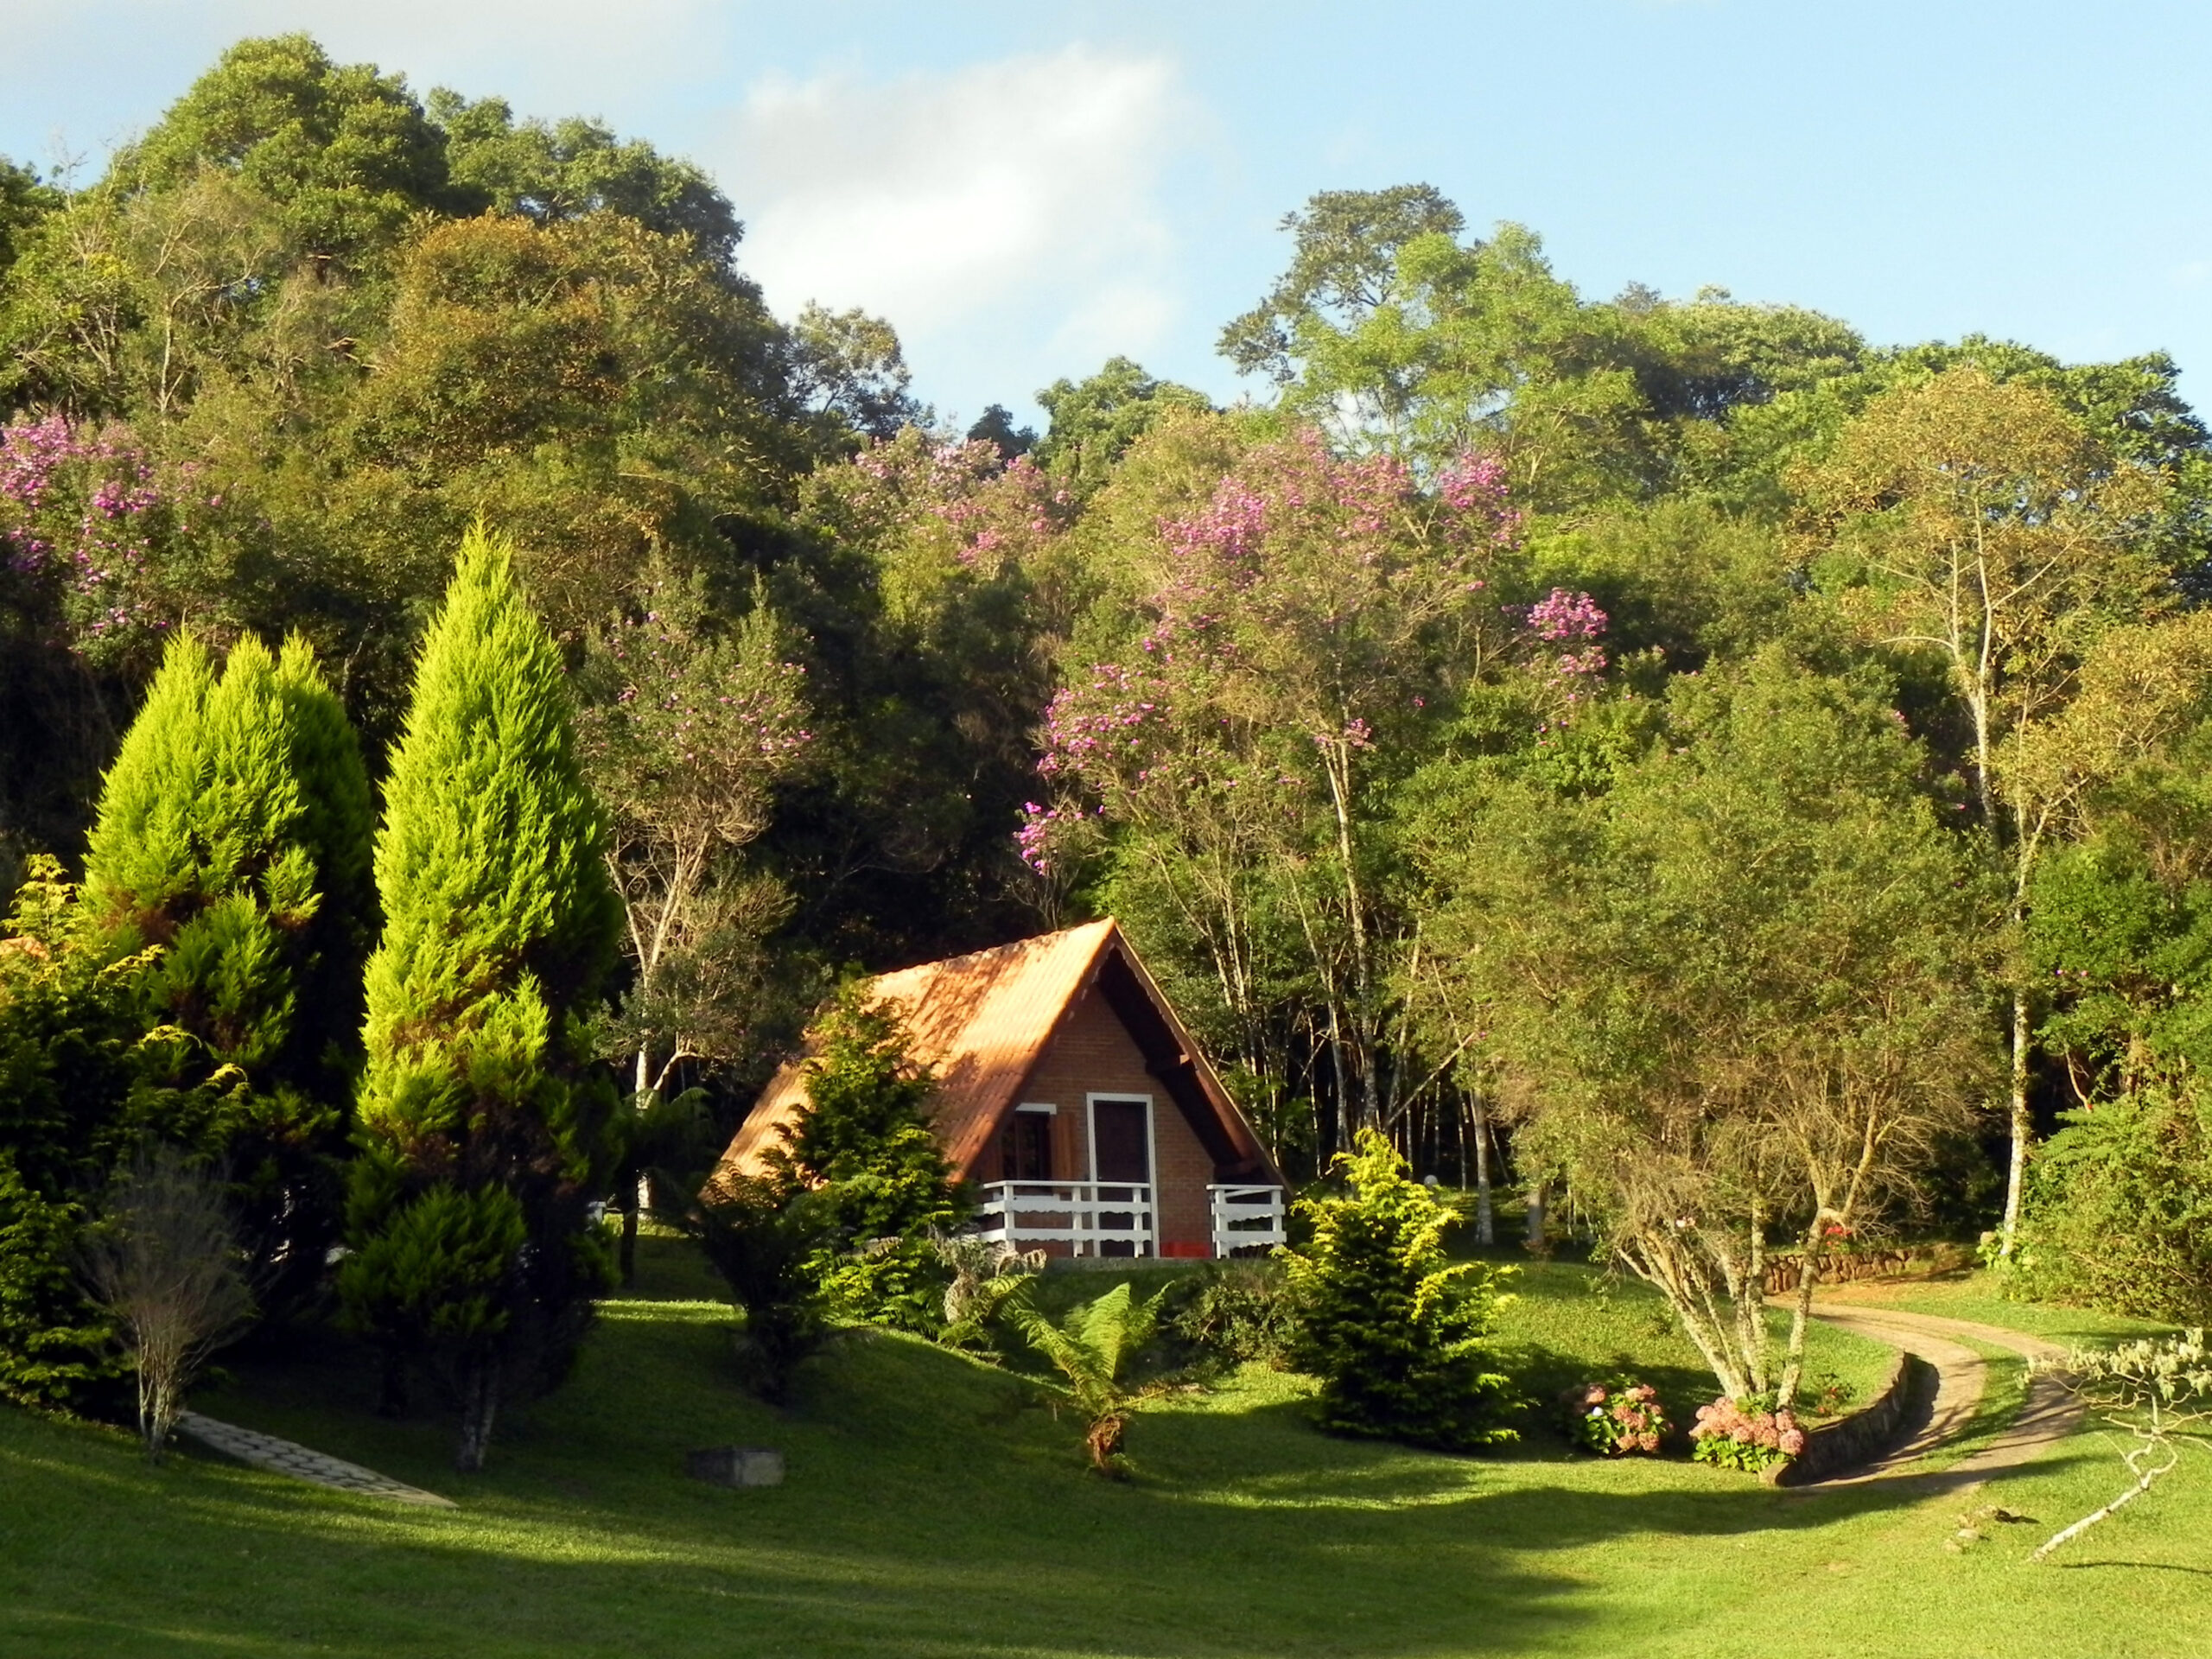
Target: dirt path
(2046,1417)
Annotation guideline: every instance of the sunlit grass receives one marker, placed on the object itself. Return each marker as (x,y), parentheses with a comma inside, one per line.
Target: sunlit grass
(934,1509)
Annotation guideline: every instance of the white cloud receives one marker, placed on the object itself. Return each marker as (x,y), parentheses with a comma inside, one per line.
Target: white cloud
(1028,185)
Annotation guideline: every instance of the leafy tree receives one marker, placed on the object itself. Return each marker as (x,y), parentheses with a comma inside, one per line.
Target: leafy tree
(926,591)
(233,837)
(1390,332)
(848,369)
(864,1147)
(592,380)
(24,200)
(1095,421)
(1977,521)
(685,733)
(1089,1348)
(1736,980)
(995,427)
(1341,273)
(553,171)
(346,152)
(1291,638)
(485,1132)
(1392,1327)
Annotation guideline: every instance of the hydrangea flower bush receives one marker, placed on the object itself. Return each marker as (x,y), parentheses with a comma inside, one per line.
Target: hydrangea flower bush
(1745,1435)
(1614,1419)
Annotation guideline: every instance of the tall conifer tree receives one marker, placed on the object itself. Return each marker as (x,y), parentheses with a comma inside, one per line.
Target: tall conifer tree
(485,1131)
(233,834)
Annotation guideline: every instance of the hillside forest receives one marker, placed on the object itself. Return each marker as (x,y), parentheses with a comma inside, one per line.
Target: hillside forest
(1670,766)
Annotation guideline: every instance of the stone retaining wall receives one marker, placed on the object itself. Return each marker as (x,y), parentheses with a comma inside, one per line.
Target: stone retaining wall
(1859,1439)
(1844,1265)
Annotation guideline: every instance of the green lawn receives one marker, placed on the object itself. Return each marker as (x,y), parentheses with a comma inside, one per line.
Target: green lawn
(933,1511)
(1980,1296)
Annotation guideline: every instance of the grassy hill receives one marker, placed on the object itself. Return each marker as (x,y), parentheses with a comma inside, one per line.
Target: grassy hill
(933,1509)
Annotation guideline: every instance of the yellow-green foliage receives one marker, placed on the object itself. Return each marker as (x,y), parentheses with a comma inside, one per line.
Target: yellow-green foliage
(499,930)
(1396,1331)
(231,855)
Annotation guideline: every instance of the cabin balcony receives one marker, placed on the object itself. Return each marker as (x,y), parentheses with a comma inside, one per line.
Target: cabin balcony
(1103,1219)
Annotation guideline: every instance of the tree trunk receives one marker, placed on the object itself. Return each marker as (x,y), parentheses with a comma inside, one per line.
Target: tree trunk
(157,1406)
(1793,1366)
(1485,1211)
(2016,1173)
(391,1386)
(480,1404)
(1539,1195)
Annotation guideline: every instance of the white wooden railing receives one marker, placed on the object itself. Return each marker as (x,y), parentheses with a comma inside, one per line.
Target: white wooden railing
(1244,1217)
(1083,1215)
(1087,1216)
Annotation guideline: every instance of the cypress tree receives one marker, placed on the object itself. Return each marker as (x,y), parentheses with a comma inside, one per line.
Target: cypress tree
(863,1148)
(485,1130)
(233,834)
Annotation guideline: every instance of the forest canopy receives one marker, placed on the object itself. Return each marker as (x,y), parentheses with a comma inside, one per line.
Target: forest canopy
(1528,725)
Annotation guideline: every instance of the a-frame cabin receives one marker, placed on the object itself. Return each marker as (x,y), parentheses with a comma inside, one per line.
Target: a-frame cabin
(1071,1097)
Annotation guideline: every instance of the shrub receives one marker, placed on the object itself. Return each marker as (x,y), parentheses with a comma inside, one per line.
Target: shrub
(164,1262)
(485,1130)
(864,1143)
(65,1066)
(1750,1435)
(1394,1330)
(765,1243)
(2120,1209)
(1231,1314)
(51,1336)
(1614,1419)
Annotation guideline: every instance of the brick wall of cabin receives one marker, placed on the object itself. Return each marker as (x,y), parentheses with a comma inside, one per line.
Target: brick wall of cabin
(1094,1053)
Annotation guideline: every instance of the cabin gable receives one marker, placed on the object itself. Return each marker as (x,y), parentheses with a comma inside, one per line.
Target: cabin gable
(1092,1053)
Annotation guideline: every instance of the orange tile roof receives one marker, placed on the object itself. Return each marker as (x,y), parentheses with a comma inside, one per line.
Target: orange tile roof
(981,1022)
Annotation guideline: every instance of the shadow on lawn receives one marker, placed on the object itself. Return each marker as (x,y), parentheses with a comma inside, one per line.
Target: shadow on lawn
(928,1513)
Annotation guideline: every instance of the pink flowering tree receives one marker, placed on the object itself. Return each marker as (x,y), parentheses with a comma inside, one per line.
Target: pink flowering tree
(943,513)
(1298,639)
(84,527)
(953,558)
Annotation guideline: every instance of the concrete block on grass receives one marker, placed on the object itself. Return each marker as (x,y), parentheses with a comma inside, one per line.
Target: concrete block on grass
(736,1466)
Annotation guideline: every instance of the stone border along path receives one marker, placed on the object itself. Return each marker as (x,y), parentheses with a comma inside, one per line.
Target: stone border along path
(2046,1417)
(285,1457)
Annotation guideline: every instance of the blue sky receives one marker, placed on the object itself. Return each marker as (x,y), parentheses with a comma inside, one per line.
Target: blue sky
(1026,191)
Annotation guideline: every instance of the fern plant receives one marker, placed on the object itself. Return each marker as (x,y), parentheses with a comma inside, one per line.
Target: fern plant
(987,1274)
(1091,1348)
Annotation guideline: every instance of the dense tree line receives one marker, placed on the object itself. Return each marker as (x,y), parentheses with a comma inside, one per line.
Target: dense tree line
(1676,752)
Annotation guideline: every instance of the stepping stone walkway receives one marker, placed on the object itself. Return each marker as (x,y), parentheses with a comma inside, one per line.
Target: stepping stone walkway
(285,1458)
